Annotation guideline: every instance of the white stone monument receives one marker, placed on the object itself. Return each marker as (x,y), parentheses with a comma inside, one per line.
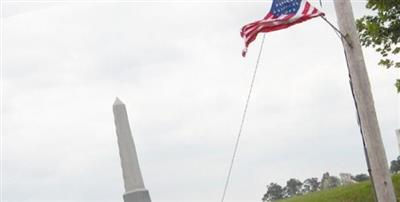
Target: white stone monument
(398,139)
(346,178)
(133,181)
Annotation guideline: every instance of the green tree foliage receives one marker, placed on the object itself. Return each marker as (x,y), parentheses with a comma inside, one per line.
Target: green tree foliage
(293,187)
(274,192)
(359,192)
(334,182)
(310,185)
(382,31)
(360,177)
(395,165)
(328,182)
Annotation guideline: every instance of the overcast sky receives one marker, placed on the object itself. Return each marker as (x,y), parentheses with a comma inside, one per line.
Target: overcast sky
(178,68)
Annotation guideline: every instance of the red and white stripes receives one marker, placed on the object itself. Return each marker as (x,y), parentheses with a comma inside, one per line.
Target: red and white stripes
(272,23)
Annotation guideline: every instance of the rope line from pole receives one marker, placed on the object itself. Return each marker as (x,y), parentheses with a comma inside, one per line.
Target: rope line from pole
(242,122)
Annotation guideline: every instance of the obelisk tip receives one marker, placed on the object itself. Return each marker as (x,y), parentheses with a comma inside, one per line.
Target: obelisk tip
(117,102)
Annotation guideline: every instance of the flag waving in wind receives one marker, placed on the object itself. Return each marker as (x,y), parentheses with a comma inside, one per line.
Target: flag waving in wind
(283,14)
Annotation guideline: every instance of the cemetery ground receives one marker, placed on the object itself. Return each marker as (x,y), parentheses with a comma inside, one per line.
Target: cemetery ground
(359,192)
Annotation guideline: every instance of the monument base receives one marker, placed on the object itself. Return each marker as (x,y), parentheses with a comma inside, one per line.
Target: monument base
(139,195)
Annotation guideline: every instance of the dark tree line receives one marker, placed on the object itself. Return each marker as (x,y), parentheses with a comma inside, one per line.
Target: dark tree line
(395,165)
(295,187)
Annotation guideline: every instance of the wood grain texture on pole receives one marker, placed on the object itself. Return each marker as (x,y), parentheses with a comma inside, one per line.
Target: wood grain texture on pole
(365,105)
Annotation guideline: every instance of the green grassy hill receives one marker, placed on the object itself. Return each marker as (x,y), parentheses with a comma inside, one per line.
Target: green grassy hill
(360,192)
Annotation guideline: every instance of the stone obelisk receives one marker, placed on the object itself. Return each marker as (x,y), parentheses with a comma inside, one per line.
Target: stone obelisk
(133,181)
(398,139)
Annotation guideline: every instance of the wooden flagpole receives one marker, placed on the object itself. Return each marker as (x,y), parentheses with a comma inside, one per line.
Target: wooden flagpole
(376,156)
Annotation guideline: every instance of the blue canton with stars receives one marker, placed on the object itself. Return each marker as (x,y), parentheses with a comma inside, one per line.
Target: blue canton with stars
(285,7)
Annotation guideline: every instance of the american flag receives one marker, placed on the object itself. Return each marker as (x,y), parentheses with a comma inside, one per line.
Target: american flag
(283,14)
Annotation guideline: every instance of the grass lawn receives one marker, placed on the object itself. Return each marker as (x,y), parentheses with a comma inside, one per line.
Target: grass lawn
(360,192)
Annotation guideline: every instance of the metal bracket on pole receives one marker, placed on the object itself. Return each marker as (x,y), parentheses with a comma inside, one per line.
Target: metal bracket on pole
(348,40)
(342,36)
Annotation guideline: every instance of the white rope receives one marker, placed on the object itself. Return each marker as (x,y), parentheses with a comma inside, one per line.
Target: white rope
(242,122)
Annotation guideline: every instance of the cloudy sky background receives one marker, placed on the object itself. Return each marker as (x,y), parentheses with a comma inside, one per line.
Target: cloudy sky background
(177,66)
